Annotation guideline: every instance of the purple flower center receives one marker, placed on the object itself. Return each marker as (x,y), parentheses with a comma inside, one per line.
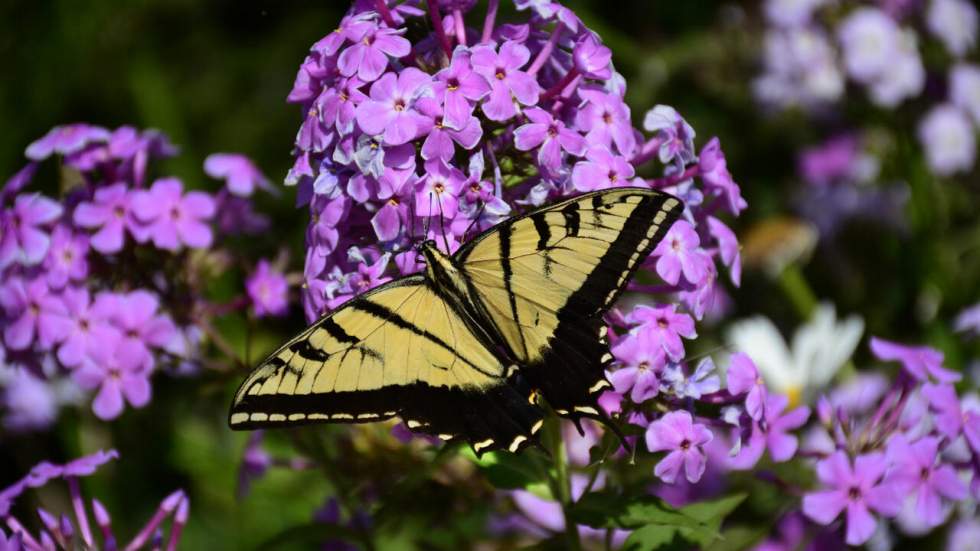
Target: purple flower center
(553,130)
(452,84)
(607,117)
(685,444)
(613,176)
(501,73)
(924,474)
(119,211)
(439,187)
(83,325)
(399,104)
(676,245)
(393,201)
(663,323)
(854,493)
(175,213)
(439,123)
(644,365)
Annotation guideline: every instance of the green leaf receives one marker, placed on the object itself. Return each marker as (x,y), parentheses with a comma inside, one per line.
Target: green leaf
(508,471)
(655,537)
(609,510)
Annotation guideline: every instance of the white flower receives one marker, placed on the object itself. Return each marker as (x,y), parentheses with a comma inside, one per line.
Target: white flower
(948,139)
(964,89)
(954,22)
(820,348)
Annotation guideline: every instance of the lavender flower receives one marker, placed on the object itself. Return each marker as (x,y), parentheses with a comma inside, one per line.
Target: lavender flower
(680,253)
(120,371)
(390,112)
(858,489)
(173,218)
(964,89)
(917,471)
(23,240)
(954,22)
(267,288)
(458,88)
(921,362)
(677,432)
(772,433)
(507,82)
(949,140)
(66,140)
(66,257)
(642,359)
(240,174)
(34,312)
(109,213)
(743,378)
(551,137)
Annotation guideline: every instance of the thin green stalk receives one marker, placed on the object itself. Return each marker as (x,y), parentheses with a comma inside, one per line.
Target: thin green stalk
(562,481)
(797,290)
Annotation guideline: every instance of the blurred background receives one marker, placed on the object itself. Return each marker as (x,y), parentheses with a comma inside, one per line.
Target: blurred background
(214,76)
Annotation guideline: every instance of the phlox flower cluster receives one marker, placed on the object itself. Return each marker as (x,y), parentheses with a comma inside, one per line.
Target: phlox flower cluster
(813,48)
(101,287)
(64,533)
(438,134)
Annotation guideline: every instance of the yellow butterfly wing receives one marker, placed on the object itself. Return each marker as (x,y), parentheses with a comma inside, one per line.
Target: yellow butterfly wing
(546,278)
(399,350)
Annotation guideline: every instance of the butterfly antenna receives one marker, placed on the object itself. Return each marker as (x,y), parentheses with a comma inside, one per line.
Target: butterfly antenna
(425,223)
(442,228)
(476,219)
(706,353)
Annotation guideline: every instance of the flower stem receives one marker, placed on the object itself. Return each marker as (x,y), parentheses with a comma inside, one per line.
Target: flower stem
(437,24)
(460,26)
(667,181)
(545,52)
(382,6)
(798,291)
(490,20)
(557,88)
(562,480)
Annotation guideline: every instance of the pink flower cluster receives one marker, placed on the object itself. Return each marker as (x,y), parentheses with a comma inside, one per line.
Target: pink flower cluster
(95,287)
(439,135)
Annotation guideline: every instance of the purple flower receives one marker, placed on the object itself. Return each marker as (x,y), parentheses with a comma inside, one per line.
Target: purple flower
(368,276)
(964,89)
(605,119)
(458,88)
(968,320)
(870,39)
(111,213)
(601,170)
(368,56)
(120,370)
(949,140)
(677,432)
(174,218)
(30,403)
(858,490)
(239,172)
(439,142)
(551,135)
(680,253)
(337,105)
(665,326)
(917,471)
(642,362)
(66,257)
(22,240)
(394,213)
(954,22)
(89,326)
(676,135)
(702,381)
(772,432)
(592,58)
(921,362)
(87,464)
(135,314)
(743,378)
(391,110)
(717,178)
(32,312)
(268,290)
(829,162)
(507,81)
(65,140)
(728,248)
(438,191)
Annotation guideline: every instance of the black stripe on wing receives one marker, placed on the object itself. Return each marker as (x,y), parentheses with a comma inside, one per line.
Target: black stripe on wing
(572,369)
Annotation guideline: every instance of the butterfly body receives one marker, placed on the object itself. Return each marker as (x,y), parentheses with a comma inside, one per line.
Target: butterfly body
(462,349)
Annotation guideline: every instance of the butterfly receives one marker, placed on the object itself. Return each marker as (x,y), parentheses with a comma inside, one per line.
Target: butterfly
(465,349)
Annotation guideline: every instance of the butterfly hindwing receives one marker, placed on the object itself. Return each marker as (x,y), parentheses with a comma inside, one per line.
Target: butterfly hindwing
(399,350)
(547,277)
